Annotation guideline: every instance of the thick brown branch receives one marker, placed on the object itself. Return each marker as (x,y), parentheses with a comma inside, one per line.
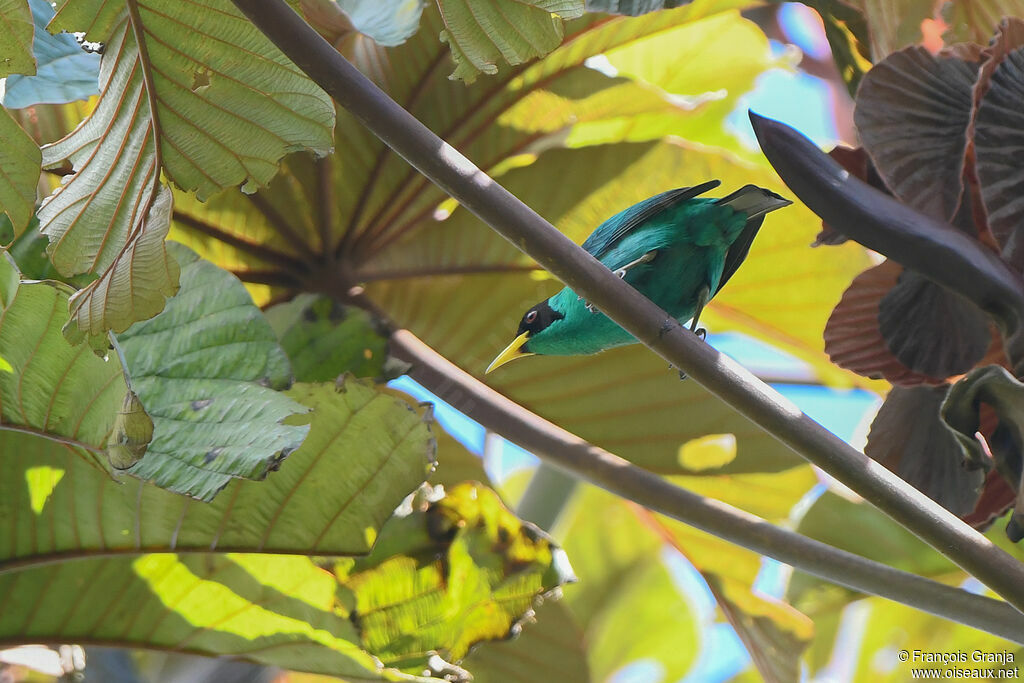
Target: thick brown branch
(586,461)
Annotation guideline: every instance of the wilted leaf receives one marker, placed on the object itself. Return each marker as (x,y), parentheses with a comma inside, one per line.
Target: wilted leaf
(912,114)
(20,159)
(931,330)
(909,438)
(51,388)
(135,285)
(64,71)
(464,557)
(206,370)
(514,31)
(324,339)
(995,386)
(178,103)
(16,38)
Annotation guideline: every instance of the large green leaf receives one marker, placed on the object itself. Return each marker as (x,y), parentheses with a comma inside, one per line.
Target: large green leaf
(773,632)
(207,370)
(272,610)
(175,100)
(20,159)
(324,339)
(829,521)
(482,34)
(626,399)
(490,570)
(626,602)
(352,208)
(366,451)
(444,576)
(16,33)
(48,387)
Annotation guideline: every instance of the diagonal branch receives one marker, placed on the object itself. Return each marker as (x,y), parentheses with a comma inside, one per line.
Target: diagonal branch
(472,188)
(586,461)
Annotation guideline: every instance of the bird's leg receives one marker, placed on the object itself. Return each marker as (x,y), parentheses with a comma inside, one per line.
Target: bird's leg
(621,272)
(646,258)
(702,299)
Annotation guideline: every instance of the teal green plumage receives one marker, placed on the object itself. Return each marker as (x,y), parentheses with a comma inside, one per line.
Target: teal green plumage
(695,245)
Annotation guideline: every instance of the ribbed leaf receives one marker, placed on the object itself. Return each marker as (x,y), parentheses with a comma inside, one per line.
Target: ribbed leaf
(16,38)
(20,159)
(482,35)
(206,370)
(374,198)
(912,114)
(852,336)
(999,142)
(47,386)
(908,437)
(465,557)
(64,71)
(174,100)
(366,451)
(135,285)
(273,610)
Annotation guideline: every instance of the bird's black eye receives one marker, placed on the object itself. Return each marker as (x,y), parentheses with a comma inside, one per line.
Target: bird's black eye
(530,317)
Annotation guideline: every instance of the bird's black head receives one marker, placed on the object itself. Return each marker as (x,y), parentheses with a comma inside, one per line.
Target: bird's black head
(537,319)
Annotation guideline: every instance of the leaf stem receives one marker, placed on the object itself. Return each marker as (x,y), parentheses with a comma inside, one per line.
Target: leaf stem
(479,193)
(50,436)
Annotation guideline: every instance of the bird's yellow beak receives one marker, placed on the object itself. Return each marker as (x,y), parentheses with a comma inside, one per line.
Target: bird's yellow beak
(510,353)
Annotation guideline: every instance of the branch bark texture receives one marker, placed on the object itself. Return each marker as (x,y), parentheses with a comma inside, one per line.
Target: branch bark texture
(586,461)
(476,191)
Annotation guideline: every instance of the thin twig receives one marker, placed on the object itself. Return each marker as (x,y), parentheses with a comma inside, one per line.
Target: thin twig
(503,212)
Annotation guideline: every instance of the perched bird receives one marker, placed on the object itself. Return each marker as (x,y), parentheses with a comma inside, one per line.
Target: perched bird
(677,248)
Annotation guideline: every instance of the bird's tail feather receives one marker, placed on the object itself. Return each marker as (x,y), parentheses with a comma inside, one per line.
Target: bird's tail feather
(754,201)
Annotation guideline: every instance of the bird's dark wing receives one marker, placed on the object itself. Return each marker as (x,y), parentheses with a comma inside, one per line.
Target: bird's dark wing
(625,222)
(755,202)
(738,250)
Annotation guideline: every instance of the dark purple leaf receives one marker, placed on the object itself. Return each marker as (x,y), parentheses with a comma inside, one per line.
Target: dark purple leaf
(912,113)
(909,438)
(994,386)
(933,248)
(996,498)
(852,336)
(930,330)
(999,148)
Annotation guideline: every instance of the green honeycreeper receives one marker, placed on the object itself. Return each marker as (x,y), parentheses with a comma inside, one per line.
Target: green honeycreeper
(678,249)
